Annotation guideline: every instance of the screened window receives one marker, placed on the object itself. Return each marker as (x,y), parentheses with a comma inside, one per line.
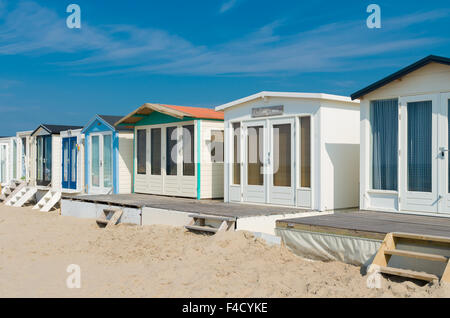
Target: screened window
(217,145)
(305,152)
(171,151)
(384,124)
(156,151)
(282,155)
(236,153)
(141,151)
(188,151)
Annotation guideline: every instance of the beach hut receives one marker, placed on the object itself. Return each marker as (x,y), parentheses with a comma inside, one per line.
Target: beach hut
(108,156)
(6,160)
(178,150)
(292,149)
(72,156)
(405,139)
(45,168)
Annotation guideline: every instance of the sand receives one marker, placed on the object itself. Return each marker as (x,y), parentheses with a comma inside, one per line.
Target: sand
(159,261)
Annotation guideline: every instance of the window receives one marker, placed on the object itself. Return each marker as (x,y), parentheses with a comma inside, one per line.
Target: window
(216,145)
(188,151)
(236,153)
(156,151)
(171,151)
(384,124)
(255,148)
(141,151)
(305,152)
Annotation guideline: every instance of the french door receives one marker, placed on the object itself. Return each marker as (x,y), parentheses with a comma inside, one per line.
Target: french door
(255,162)
(281,158)
(44,160)
(69,166)
(443,154)
(101,163)
(268,166)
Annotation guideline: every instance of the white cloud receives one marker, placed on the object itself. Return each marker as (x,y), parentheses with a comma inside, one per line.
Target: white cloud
(34,30)
(228,5)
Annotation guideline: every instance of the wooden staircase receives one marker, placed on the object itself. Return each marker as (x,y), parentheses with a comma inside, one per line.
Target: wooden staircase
(10,191)
(48,201)
(390,248)
(210,224)
(109,217)
(22,196)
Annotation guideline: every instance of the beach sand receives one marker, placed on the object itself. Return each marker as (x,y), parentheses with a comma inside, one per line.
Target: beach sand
(159,261)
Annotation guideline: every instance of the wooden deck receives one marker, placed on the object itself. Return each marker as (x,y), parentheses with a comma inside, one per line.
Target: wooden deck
(211,207)
(370,224)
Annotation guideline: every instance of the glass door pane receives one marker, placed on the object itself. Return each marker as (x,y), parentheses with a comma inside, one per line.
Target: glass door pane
(171,151)
(95,161)
(305,152)
(282,155)
(188,151)
(107,161)
(66,161)
(156,151)
(40,160)
(48,159)
(236,153)
(73,162)
(255,148)
(2,163)
(14,159)
(420,146)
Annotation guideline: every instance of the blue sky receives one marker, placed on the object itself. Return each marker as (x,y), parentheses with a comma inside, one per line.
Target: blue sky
(198,53)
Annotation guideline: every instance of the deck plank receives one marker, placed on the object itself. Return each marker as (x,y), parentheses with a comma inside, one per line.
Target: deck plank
(211,207)
(371,224)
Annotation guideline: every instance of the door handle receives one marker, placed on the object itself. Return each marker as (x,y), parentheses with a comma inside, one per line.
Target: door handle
(443,150)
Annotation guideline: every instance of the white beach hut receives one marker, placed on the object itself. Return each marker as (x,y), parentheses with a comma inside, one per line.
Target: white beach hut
(293,149)
(405,131)
(6,160)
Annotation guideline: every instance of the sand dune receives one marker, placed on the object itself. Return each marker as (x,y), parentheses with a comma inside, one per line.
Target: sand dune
(159,261)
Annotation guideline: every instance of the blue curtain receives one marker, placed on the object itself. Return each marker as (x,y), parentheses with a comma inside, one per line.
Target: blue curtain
(419,146)
(384,123)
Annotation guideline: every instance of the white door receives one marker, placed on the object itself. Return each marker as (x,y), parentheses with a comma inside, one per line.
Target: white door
(254,187)
(419,153)
(444,162)
(101,163)
(281,162)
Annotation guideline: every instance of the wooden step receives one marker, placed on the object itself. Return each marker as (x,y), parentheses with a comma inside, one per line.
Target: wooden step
(426,256)
(418,237)
(212,217)
(408,273)
(201,228)
(102,221)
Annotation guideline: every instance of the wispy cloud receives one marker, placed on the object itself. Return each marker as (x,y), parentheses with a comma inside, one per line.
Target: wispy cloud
(228,5)
(32,29)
